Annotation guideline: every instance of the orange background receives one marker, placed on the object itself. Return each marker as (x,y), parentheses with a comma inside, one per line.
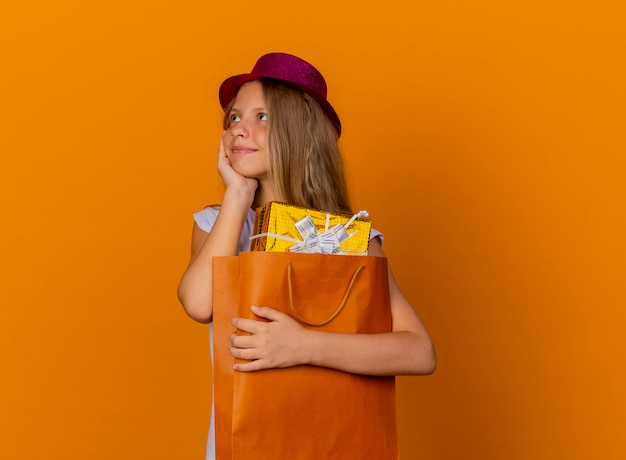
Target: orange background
(485,138)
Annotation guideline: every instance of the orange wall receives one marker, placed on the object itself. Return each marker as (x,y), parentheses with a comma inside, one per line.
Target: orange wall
(485,138)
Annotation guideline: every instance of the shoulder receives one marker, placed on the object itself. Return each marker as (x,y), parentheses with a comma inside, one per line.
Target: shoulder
(206,218)
(375,248)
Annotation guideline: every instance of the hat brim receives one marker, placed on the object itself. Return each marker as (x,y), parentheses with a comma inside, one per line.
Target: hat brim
(230,87)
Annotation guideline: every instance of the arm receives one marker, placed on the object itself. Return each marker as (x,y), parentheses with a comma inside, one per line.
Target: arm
(195,287)
(282,342)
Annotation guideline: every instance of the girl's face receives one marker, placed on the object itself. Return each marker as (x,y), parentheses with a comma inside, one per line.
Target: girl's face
(245,139)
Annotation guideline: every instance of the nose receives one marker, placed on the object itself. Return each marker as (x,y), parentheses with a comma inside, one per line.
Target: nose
(239,129)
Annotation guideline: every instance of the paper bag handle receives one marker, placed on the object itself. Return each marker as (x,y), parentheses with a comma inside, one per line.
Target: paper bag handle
(335,313)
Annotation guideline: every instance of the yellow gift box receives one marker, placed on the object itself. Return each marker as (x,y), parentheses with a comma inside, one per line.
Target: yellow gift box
(281,227)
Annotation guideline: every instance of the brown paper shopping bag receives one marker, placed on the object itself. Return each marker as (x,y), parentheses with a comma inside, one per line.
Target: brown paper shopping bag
(304,412)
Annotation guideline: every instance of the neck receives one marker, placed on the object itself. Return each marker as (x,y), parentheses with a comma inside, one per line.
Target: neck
(264,194)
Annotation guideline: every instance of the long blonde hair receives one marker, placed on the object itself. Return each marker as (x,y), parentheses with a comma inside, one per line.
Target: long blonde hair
(304,162)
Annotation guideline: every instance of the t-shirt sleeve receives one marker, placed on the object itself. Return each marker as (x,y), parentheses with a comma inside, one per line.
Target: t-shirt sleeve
(376,234)
(206,218)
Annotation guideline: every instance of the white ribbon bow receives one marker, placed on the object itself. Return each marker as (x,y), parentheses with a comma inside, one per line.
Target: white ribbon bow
(314,242)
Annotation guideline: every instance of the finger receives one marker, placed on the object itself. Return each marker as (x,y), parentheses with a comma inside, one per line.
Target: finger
(242,341)
(248,354)
(221,151)
(251,366)
(269,313)
(248,325)
(222,157)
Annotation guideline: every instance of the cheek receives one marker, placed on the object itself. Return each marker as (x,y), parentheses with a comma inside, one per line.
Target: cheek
(260,136)
(227,139)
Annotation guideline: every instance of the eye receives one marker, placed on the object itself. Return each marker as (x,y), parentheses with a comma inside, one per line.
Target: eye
(234,118)
(262,116)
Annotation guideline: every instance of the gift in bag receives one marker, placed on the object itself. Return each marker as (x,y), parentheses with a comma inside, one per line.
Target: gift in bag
(302,412)
(282,227)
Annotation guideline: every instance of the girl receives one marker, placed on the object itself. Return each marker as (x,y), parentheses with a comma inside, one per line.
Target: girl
(280,144)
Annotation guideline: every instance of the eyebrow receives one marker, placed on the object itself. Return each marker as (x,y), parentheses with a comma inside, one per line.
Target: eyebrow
(257,109)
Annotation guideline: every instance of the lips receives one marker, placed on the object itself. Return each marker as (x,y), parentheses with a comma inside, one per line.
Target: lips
(241,149)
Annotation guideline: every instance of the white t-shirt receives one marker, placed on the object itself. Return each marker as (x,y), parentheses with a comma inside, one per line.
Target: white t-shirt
(205,220)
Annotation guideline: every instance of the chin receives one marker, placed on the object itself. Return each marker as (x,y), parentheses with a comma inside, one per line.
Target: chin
(249,172)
